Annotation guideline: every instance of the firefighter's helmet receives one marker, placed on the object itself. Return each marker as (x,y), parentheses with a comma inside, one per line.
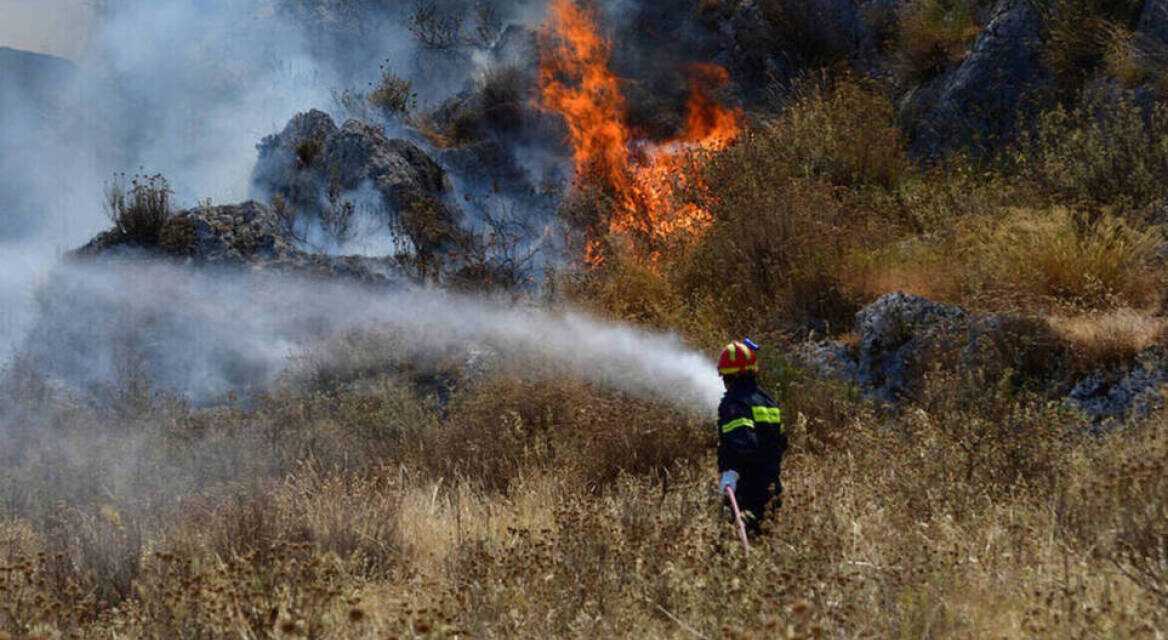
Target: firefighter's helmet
(737,358)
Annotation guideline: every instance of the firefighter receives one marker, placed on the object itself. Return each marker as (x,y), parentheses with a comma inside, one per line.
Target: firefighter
(751,438)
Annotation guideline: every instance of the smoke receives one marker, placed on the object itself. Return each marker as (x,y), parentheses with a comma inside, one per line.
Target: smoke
(206,333)
(186,88)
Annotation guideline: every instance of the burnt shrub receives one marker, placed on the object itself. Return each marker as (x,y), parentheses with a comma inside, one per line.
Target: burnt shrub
(139,209)
(178,236)
(503,93)
(805,31)
(308,150)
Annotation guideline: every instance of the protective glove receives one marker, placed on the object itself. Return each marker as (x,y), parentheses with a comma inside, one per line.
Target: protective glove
(729,479)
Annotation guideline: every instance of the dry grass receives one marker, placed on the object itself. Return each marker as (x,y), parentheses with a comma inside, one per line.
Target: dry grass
(1078,34)
(1023,260)
(1111,338)
(975,515)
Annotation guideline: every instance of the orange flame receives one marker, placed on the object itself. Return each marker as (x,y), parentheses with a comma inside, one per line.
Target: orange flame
(577,83)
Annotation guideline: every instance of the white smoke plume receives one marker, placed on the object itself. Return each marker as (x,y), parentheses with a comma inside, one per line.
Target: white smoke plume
(205,332)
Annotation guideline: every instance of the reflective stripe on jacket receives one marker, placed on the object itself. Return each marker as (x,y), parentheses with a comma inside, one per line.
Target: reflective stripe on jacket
(750,429)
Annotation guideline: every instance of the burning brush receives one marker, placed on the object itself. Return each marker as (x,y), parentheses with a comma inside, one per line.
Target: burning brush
(646,178)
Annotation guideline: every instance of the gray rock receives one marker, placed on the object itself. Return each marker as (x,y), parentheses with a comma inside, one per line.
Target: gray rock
(976,104)
(248,235)
(1154,21)
(314,165)
(400,170)
(1134,390)
(828,360)
(894,330)
(899,333)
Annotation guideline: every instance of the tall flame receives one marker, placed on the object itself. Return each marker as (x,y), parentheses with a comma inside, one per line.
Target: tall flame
(645,178)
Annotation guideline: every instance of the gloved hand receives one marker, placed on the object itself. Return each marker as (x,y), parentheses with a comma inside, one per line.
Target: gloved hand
(729,479)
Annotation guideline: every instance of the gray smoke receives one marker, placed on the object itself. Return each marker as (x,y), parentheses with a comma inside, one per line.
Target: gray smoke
(187,88)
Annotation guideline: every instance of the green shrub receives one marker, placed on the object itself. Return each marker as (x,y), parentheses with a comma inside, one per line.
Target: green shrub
(1107,151)
(845,133)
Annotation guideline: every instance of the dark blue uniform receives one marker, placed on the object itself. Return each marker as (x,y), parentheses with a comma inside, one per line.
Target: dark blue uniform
(751,441)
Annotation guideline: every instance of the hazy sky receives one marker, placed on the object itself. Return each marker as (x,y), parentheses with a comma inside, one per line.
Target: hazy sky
(46,26)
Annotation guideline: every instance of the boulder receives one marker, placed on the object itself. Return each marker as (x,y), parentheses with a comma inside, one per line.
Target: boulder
(976,104)
(829,359)
(313,165)
(894,332)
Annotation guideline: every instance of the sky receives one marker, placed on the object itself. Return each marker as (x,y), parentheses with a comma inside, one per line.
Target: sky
(57,27)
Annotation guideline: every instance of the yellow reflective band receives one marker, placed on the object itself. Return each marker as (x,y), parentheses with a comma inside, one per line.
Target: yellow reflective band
(737,423)
(768,415)
(731,370)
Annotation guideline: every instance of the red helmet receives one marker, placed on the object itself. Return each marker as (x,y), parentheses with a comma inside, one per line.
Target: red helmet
(737,358)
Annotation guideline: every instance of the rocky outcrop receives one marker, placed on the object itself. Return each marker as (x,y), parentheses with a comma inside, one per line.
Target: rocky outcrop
(901,337)
(1137,388)
(316,167)
(894,332)
(976,105)
(248,235)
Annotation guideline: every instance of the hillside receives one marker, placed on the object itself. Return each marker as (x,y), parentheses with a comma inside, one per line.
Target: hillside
(32,89)
(450,370)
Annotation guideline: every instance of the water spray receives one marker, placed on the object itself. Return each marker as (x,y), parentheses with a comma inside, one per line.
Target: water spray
(205,327)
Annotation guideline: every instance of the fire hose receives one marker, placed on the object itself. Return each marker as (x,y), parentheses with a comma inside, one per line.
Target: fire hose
(738,522)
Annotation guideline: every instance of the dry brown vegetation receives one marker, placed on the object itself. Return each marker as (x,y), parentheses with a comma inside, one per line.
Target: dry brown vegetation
(364,499)
(537,509)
